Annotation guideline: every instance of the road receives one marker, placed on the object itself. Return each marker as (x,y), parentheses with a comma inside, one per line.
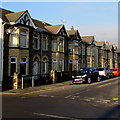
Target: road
(66,102)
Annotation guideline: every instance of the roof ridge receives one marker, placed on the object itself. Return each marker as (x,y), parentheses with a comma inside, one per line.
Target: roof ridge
(17,12)
(6,10)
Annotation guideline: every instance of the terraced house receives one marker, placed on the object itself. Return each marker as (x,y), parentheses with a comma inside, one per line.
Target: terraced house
(74,48)
(34,47)
(90,40)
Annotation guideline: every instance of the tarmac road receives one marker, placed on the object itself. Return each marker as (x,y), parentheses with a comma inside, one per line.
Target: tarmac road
(64,101)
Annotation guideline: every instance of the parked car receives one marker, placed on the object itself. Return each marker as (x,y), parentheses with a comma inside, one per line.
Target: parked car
(105,72)
(86,75)
(115,71)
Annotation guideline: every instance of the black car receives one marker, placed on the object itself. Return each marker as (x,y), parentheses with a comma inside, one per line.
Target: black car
(86,75)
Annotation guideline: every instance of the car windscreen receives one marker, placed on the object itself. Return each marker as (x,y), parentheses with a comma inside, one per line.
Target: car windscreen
(84,70)
(100,69)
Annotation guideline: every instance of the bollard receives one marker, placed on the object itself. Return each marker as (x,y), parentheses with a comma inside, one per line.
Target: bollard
(32,81)
(22,83)
(15,81)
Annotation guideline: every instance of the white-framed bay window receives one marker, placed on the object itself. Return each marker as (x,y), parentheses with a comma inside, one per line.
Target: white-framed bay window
(14,41)
(54,45)
(61,45)
(13,65)
(23,65)
(24,36)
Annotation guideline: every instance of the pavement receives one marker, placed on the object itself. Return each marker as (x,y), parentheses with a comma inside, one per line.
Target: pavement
(35,89)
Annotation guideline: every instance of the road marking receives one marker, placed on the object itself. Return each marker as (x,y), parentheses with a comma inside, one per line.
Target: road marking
(76,94)
(115,99)
(55,116)
(104,85)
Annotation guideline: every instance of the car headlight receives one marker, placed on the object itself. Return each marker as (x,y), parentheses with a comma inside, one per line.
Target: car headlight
(73,77)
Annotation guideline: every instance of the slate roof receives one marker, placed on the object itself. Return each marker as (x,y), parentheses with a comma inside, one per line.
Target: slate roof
(54,29)
(114,46)
(40,24)
(109,47)
(118,50)
(100,44)
(72,31)
(13,17)
(87,39)
(3,12)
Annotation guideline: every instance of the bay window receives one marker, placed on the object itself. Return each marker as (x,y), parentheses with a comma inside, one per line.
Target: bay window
(61,45)
(54,45)
(14,42)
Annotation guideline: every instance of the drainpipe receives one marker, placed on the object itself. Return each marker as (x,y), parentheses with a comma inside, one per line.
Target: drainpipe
(1,48)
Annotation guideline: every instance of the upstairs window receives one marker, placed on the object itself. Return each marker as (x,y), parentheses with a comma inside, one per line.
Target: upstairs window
(23,38)
(36,41)
(44,43)
(54,45)
(70,47)
(14,42)
(76,47)
(88,50)
(61,45)
(83,49)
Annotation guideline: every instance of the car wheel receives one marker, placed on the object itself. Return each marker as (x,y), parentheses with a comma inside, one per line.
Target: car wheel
(99,79)
(89,81)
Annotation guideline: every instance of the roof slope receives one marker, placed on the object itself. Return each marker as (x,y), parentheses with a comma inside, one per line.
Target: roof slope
(40,24)
(87,39)
(72,31)
(13,17)
(54,29)
(109,47)
(118,50)
(3,12)
(100,44)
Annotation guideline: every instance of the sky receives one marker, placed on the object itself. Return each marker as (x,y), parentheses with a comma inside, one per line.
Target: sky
(98,19)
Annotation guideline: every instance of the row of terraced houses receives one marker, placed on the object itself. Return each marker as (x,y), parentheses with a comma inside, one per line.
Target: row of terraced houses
(32,47)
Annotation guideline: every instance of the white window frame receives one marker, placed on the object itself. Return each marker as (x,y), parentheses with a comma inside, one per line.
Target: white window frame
(54,45)
(61,44)
(70,61)
(54,60)
(13,39)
